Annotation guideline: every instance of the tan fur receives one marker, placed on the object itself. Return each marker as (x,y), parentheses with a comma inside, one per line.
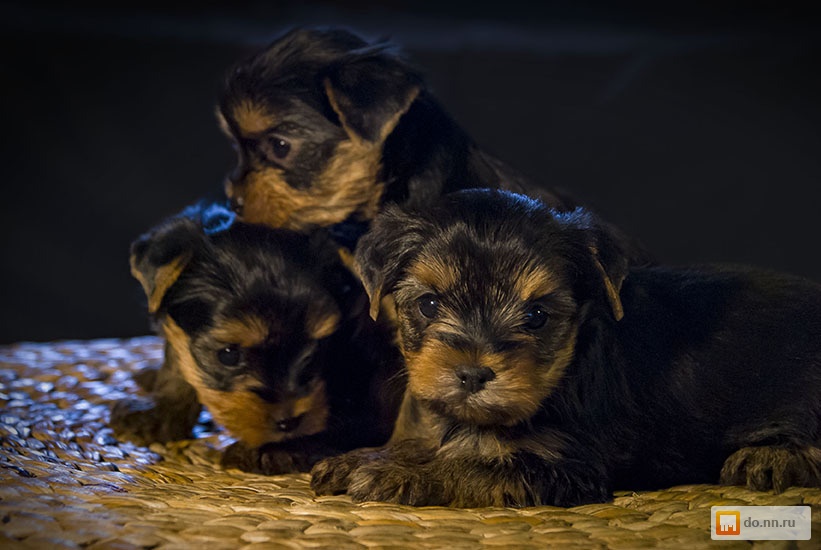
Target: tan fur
(387,308)
(434,273)
(520,386)
(347,259)
(374,293)
(252,119)
(224,127)
(612,288)
(561,360)
(321,325)
(253,420)
(247,331)
(348,186)
(243,413)
(165,276)
(534,281)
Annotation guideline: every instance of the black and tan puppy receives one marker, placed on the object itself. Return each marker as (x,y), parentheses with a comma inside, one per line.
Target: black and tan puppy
(329,127)
(543,370)
(270,331)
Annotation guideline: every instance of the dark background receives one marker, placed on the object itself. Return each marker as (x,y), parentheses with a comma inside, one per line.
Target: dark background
(695,128)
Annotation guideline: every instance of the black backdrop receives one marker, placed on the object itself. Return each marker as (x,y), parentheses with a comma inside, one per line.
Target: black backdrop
(698,131)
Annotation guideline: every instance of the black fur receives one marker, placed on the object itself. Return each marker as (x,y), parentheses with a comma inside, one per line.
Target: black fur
(712,375)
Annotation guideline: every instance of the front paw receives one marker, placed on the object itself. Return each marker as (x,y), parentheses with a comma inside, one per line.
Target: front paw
(768,467)
(267,460)
(331,476)
(388,481)
(144,421)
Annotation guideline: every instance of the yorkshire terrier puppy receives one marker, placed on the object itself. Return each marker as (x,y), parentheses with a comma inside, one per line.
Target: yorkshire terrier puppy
(544,370)
(329,127)
(270,331)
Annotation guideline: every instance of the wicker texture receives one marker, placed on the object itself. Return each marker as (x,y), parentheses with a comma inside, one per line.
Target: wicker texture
(67,482)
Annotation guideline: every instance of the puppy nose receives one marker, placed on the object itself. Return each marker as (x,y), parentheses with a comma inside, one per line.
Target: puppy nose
(473,378)
(289,424)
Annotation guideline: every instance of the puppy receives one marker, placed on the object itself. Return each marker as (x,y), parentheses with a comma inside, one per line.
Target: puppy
(329,127)
(542,370)
(270,331)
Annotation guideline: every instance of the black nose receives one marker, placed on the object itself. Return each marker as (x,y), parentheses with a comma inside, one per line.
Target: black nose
(289,424)
(473,379)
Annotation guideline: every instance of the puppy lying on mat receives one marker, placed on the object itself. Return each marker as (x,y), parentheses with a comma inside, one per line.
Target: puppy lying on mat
(269,330)
(543,370)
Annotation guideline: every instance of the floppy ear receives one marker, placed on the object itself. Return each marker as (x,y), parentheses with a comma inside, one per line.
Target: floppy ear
(613,272)
(370,92)
(385,250)
(606,255)
(161,255)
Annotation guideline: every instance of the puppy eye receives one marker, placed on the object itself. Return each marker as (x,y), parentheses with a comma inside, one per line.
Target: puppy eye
(229,355)
(280,147)
(428,305)
(536,317)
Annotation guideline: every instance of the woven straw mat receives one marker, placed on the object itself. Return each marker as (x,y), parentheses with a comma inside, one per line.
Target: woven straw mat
(67,482)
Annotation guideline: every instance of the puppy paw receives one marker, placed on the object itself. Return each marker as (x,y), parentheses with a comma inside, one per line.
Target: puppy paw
(331,476)
(266,460)
(144,421)
(387,481)
(147,377)
(769,467)
(242,457)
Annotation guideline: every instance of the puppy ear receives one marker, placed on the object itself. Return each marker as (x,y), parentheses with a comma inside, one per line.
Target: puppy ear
(370,93)
(385,250)
(612,276)
(606,253)
(161,255)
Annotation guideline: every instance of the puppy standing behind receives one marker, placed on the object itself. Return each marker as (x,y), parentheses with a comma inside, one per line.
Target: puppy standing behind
(328,127)
(267,329)
(542,370)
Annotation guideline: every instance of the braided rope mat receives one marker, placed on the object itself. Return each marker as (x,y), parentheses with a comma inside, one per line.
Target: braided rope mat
(67,482)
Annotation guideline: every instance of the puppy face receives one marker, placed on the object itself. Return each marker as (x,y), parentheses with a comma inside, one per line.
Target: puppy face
(475,331)
(250,313)
(490,289)
(308,117)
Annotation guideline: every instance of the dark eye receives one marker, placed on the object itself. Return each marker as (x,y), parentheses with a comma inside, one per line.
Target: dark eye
(229,355)
(280,147)
(428,305)
(535,317)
